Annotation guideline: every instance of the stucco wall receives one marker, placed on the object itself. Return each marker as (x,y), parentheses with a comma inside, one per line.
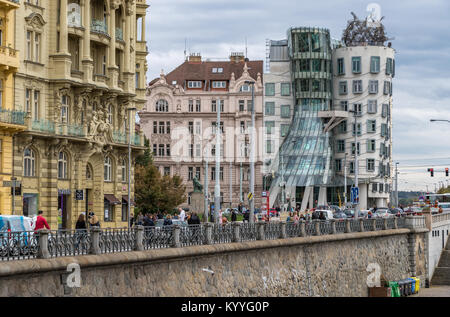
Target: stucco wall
(314,266)
(438,237)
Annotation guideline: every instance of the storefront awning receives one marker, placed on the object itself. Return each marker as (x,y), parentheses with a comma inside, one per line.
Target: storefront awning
(112,199)
(125,197)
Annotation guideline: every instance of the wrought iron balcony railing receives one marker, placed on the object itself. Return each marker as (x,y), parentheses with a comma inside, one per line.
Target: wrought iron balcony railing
(12,117)
(99,26)
(119,34)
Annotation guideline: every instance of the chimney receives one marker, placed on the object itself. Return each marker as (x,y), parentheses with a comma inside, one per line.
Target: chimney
(237,57)
(195,58)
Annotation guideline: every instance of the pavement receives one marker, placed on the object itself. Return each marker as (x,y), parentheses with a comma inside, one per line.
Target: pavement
(434,291)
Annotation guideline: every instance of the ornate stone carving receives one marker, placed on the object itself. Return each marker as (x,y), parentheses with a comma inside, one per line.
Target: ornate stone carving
(100,131)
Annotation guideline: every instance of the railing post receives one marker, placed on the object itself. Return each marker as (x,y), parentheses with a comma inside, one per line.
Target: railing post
(374,224)
(208,233)
(95,240)
(395,223)
(385,224)
(302,228)
(333,226)
(139,242)
(317,227)
(283,234)
(348,228)
(260,230)
(236,231)
(43,244)
(176,237)
(361,225)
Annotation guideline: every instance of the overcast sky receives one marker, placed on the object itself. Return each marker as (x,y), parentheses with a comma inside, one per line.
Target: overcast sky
(421,32)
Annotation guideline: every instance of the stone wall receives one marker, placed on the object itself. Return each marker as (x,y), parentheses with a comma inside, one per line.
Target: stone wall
(313,266)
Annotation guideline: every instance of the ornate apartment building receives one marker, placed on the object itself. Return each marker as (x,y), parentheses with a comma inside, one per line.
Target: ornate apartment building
(181,116)
(82,72)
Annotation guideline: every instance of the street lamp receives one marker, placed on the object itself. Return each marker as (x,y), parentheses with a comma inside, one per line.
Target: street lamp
(252,155)
(129,110)
(356,160)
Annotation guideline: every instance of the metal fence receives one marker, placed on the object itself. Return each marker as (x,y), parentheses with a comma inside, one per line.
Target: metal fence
(51,244)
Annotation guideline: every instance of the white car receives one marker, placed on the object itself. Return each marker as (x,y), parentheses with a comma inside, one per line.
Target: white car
(382,213)
(328,213)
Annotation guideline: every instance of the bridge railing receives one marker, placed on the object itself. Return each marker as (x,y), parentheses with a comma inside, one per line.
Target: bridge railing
(50,244)
(440,218)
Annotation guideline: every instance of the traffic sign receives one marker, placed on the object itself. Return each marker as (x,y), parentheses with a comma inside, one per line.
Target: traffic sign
(354,195)
(250,196)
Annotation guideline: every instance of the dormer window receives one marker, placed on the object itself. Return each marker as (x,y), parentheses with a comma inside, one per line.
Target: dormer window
(219,84)
(217,70)
(194,84)
(174,82)
(245,88)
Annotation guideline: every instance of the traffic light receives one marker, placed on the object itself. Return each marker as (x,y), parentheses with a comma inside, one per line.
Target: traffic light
(446,172)
(431,170)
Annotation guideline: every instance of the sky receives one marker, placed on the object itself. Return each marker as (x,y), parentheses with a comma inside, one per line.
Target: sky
(420,33)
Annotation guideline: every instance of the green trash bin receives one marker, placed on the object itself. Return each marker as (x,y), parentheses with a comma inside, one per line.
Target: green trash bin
(395,291)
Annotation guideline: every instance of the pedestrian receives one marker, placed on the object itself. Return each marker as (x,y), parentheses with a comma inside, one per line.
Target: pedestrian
(233,215)
(441,210)
(296,218)
(148,221)
(193,219)
(41,222)
(176,216)
(168,221)
(93,220)
(159,215)
(220,216)
(81,223)
(132,219)
(322,216)
(224,220)
(182,214)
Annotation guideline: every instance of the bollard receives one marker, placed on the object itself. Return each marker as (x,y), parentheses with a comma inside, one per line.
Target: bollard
(208,233)
(302,228)
(316,227)
(361,225)
(260,230)
(95,240)
(333,226)
(43,252)
(348,228)
(176,237)
(236,231)
(374,224)
(139,238)
(283,234)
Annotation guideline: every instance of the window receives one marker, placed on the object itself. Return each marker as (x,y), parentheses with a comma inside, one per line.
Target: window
(357,87)
(269,144)
(373,86)
(161,150)
(107,169)
(269,127)
(338,165)
(284,129)
(340,146)
(29,55)
(370,165)
(123,168)
(221,177)
(198,173)
(375,64)
(219,84)
(64,109)
(270,89)
(155,127)
(385,110)
(305,65)
(28,94)
(270,108)
(214,124)
(285,89)
(198,127)
(241,105)
(384,129)
(353,148)
(108,214)
(162,106)
(342,127)
(213,173)
(242,125)
(191,105)
(198,105)
(343,87)
(198,150)
(168,150)
(37,50)
(285,111)
(352,168)
(62,165)
(357,108)
(371,146)
(191,150)
(194,84)
(191,127)
(88,172)
(167,171)
(29,163)
(387,88)
(110,114)
(168,127)
(358,125)
(340,66)
(371,106)
(389,66)
(371,126)
(222,105)
(356,65)
(190,173)
(245,88)
(344,105)
(155,149)
(249,105)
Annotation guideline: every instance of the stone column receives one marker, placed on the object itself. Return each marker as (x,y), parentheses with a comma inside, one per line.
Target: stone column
(348,228)
(395,223)
(112,34)
(95,240)
(374,224)
(317,227)
(43,252)
(283,234)
(260,230)
(333,226)
(236,231)
(208,233)
(88,65)
(302,228)
(139,245)
(176,237)
(126,38)
(143,29)
(63,37)
(361,225)
(385,224)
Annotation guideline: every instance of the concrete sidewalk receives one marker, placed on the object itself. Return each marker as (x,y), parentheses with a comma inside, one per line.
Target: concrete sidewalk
(434,291)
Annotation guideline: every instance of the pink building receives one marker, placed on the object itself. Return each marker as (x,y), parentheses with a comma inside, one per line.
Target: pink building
(180,119)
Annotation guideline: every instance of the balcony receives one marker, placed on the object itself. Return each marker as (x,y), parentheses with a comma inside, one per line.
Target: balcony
(99,26)
(43,126)
(119,34)
(10,117)
(119,137)
(9,57)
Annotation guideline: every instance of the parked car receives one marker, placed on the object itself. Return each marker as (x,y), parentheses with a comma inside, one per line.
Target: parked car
(350,213)
(412,211)
(326,212)
(339,215)
(382,213)
(397,212)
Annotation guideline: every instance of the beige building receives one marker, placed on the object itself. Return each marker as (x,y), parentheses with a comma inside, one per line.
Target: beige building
(180,119)
(82,65)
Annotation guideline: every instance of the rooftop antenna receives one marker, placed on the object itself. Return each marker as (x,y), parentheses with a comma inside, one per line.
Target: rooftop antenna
(185,48)
(246,56)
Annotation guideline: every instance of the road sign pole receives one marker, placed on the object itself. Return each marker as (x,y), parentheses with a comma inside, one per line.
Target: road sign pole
(13,179)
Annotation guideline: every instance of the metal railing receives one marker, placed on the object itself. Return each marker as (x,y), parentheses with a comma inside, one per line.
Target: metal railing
(119,34)
(99,26)
(12,117)
(43,126)
(51,244)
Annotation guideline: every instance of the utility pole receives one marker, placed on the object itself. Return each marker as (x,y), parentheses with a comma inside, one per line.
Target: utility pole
(217,186)
(129,110)
(356,162)
(241,199)
(345,180)
(231,184)
(252,156)
(206,213)
(396,184)
(283,194)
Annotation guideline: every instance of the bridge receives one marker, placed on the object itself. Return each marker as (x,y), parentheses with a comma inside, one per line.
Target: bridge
(316,258)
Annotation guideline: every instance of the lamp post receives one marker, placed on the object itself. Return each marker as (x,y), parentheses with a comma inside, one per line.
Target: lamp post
(356,161)
(129,110)
(396,183)
(217,172)
(252,156)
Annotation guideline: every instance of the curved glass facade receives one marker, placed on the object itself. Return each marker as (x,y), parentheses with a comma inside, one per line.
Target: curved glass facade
(306,153)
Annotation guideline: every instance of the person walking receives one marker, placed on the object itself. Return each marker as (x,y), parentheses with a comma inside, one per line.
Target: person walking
(41,222)
(81,229)
(182,215)
(233,215)
(220,216)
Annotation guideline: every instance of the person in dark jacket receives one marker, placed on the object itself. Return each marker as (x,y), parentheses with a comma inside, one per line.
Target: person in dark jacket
(168,221)
(193,219)
(148,222)
(233,215)
(81,223)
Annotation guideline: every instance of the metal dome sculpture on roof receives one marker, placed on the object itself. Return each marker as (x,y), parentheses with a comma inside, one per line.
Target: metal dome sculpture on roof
(364,32)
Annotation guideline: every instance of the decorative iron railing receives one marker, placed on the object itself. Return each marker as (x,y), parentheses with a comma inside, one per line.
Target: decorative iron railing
(99,26)
(51,244)
(119,137)
(43,126)
(119,34)
(12,117)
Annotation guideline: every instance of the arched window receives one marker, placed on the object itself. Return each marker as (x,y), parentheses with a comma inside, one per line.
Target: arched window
(64,109)
(124,170)
(245,88)
(107,169)
(29,163)
(162,106)
(88,172)
(62,165)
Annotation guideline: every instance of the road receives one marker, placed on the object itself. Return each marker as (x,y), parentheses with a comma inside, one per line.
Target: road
(434,291)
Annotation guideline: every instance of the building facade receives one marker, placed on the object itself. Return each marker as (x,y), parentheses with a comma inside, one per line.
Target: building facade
(181,117)
(82,72)
(11,121)
(278,105)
